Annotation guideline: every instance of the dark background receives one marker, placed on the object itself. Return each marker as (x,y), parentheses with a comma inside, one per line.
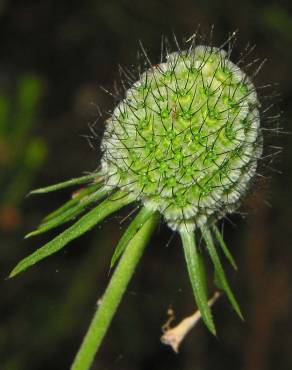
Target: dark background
(54,56)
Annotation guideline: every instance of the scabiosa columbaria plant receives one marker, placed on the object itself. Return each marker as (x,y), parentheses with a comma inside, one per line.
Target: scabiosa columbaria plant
(183,143)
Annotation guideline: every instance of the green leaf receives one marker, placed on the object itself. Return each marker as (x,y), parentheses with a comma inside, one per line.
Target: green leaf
(217,281)
(93,217)
(65,184)
(220,274)
(69,214)
(82,193)
(131,231)
(224,247)
(197,275)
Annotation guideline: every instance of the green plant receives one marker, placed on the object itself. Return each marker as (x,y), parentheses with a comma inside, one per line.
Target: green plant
(184,144)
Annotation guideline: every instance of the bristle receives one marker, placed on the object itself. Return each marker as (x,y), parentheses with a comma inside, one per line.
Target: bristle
(186,137)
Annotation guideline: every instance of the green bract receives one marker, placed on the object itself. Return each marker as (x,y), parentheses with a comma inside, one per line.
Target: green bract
(183,143)
(185,139)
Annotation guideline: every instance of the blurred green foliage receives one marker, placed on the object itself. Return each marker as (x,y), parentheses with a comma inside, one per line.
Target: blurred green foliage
(21,152)
(278,19)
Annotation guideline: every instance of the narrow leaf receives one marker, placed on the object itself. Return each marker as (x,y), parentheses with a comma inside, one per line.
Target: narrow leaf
(224,247)
(93,217)
(131,231)
(70,213)
(220,274)
(65,184)
(218,281)
(89,189)
(196,272)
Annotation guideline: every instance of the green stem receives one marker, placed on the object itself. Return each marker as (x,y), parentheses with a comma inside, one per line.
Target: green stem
(113,295)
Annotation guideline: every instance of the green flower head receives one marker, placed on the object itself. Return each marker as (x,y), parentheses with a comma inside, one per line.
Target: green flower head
(183,143)
(186,138)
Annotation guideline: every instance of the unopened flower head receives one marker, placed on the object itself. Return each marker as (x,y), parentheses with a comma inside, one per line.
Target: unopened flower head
(186,138)
(184,142)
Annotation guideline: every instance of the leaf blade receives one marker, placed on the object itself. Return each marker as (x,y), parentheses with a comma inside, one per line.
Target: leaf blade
(196,272)
(68,214)
(64,184)
(75,199)
(89,220)
(224,247)
(219,270)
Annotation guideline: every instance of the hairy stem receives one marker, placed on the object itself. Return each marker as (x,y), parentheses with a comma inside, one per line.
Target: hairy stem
(113,295)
